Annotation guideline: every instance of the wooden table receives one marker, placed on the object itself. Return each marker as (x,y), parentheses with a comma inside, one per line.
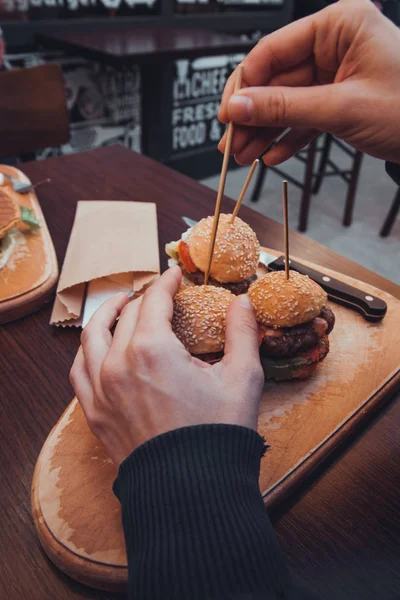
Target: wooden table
(142,45)
(154,50)
(341,534)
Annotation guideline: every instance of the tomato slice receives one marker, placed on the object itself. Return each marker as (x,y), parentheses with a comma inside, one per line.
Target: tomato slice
(184,255)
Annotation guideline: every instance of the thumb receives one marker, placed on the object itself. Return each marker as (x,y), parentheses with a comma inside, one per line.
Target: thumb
(322,107)
(241,337)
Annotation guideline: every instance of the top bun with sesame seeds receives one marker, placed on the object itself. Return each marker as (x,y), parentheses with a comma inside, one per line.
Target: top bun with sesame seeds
(199,318)
(236,252)
(279,302)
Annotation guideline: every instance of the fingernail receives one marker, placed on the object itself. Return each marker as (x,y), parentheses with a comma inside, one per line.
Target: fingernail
(130,294)
(241,108)
(245,301)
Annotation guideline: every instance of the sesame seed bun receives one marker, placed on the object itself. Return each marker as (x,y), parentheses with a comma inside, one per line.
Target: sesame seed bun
(199,318)
(236,252)
(10,212)
(281,302)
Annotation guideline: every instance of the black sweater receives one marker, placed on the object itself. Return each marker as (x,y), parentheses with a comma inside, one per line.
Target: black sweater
(194,520)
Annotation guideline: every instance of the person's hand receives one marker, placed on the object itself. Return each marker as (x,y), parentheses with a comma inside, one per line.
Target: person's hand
(336,71)
(141,381)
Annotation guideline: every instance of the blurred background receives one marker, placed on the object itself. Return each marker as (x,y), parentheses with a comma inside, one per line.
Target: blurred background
(165,106)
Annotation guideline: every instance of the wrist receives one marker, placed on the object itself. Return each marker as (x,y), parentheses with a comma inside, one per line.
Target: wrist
(214,447)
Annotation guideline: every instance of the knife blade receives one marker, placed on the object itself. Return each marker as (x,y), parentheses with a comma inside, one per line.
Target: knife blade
(189,222)
(370,307)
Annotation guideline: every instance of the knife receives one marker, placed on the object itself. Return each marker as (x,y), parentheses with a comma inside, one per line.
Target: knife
(371,308)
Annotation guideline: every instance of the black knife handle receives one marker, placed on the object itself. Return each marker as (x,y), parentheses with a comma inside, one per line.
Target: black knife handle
(371,307)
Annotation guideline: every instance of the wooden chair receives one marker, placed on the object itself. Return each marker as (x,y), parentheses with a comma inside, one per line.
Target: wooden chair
(390,219)
(33,110)
(313,176)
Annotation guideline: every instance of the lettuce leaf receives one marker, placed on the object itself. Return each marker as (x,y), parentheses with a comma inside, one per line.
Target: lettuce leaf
(171,250)
(29,218)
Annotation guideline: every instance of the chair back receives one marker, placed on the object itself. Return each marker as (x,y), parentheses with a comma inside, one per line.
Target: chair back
(33,110)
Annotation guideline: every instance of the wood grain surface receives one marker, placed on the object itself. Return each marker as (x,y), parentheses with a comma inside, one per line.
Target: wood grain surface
(28,279)
(86,539)
(83,539)
(303,421)
(80,558)
(341,534)
(138,45)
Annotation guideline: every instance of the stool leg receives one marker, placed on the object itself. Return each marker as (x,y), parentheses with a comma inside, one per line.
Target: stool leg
(306,196)
(262,172)
(352,189)
(390,219)
(323,162)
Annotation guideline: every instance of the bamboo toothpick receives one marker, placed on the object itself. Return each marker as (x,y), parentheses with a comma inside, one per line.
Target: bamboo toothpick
(286,225)
(224,170)
(244,189)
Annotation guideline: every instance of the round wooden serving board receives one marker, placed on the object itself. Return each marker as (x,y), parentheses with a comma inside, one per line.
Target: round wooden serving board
(28,280)
(77,515)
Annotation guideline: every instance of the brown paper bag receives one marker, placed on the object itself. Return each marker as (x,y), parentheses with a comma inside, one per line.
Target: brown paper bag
(107,238)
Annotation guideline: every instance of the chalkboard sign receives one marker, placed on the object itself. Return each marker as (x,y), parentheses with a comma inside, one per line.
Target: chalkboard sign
(196,95)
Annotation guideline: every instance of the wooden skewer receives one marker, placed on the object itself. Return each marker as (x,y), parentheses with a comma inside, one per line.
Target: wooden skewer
(286,225)
(224,170)
(244,189)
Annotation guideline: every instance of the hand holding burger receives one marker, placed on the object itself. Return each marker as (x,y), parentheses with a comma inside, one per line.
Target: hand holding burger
(293,318)
(142,381)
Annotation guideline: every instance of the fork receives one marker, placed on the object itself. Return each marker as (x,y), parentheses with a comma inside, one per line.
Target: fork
(23,188)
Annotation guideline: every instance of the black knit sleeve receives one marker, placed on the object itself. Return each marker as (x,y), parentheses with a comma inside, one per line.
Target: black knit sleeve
(194,520)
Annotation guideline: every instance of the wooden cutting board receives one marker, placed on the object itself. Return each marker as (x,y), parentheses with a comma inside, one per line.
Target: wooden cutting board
(76,514)
(29,278)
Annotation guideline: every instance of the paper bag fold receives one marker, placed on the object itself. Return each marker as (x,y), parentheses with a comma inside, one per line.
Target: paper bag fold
(107,238)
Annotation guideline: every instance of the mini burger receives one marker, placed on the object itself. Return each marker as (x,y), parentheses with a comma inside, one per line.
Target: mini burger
(15,220)
(199,320)
(235,259)
(294,322)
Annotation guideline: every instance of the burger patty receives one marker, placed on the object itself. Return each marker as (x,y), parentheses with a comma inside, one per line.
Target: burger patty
(329,317)
(289,341)
(237,288)
(298,367)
